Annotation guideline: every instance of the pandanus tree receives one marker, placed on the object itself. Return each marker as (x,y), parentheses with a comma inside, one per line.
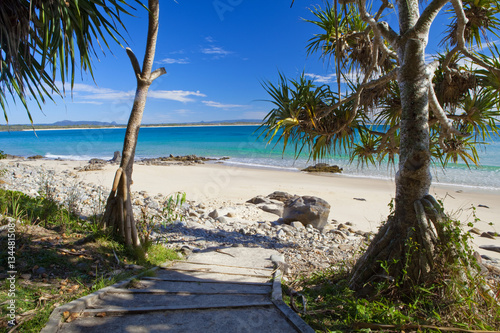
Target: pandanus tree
(399,106)
(119,214)
(45,41)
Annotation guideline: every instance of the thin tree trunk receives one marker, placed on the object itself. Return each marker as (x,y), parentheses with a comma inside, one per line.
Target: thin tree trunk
(119,214)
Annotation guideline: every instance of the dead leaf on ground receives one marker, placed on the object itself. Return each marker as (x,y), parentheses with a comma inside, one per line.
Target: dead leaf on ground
(72,316)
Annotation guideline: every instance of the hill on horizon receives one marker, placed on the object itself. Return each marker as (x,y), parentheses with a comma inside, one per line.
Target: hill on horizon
(82,122)
(79,123)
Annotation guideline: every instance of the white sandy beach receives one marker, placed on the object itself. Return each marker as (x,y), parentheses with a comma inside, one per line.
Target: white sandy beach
(218,185)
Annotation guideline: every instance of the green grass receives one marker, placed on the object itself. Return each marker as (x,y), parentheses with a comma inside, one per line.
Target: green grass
(40,211)
(159,254)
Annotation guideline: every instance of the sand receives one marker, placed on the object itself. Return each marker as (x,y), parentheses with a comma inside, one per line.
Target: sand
(361,201)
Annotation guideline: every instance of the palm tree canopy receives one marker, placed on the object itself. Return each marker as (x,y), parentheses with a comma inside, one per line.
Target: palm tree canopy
(41,38)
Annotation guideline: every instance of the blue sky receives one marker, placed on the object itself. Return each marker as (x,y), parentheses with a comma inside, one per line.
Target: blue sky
(216,53)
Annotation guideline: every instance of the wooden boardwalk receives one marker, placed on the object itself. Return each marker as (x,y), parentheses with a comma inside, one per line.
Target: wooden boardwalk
(223,290)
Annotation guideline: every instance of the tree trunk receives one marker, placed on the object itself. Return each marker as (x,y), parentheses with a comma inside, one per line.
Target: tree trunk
(119,215)
(405,245)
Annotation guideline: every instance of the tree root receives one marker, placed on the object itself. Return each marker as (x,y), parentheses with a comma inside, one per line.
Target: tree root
(119,215)
(419,253)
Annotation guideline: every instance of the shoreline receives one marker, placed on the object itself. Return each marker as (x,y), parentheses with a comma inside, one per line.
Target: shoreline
(125,126)
(474,188)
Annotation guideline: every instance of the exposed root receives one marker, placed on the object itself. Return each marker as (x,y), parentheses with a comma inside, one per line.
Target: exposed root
(119,215)
(424,251)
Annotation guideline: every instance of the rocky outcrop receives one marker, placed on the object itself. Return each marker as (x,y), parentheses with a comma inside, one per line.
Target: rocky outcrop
(97,161)
(36,157)
(91,167)
(116,157)
(323,167)
(94,165)
(179,160)
(308,210)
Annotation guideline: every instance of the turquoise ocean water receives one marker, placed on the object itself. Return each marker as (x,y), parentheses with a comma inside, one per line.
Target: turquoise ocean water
(241,143)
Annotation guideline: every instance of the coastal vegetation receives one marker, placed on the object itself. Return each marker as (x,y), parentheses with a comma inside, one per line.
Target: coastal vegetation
(437,110)
(437,306)
(64,257)
(419,270)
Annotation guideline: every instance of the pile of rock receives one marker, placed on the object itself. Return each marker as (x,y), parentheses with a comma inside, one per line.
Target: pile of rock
(305,247)
(179,160)
(323,167)
(63,187)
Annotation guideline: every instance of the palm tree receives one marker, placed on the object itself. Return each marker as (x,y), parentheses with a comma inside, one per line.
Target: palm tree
(423,111)
(39,39)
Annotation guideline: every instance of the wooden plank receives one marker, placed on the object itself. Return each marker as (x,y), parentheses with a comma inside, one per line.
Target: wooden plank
(208,281)
(183,293)
(125,311)
(214,272)
(243,267)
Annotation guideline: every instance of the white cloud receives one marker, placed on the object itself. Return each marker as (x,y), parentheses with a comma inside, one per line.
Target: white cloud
(175,95)
(82,88)
(84,93)
(330,78)
(181,61)
(222,106)
(215,50)
(212,49)
(109,94)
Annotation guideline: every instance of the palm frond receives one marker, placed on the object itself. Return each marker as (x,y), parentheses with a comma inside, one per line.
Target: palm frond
(482,18)
(302,115)
(39,39)
(345,37)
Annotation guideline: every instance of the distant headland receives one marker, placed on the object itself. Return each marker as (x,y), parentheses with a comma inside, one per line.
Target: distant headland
(69,124)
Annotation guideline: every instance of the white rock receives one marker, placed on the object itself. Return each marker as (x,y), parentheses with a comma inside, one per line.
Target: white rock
(281,234)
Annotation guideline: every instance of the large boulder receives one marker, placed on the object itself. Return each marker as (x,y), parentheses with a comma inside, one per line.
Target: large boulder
(308,210)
